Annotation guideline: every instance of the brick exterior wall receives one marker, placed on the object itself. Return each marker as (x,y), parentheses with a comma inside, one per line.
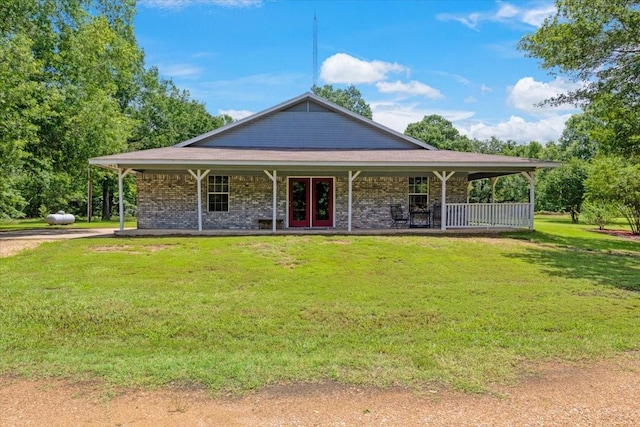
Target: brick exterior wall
(168,201)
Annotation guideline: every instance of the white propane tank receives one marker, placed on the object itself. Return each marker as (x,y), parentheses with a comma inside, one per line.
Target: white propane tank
(60,218)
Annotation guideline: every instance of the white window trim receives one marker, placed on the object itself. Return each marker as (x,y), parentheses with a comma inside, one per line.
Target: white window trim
(418,194)
(209,193)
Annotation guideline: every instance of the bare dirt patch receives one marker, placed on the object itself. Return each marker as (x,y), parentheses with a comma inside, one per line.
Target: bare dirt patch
(337,242)
(558,394)
(13,247)
(13,242)
(129,250)
(625,234)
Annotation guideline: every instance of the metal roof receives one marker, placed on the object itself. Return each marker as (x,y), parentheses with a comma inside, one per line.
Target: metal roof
(193,157)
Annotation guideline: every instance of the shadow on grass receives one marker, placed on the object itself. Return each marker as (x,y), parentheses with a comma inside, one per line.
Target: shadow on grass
(587,243)
(608,265)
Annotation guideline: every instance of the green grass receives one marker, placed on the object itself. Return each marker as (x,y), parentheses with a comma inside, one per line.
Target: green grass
(37,223)
(240,313)
(558,230)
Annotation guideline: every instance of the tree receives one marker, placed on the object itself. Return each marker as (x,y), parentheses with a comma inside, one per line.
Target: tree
(615,126)
(563,187)
(599,213)
(76,73)
(596,43)
(616,181)
(576,141)
(439,132)
(166,115)
(20,90)
(349,98)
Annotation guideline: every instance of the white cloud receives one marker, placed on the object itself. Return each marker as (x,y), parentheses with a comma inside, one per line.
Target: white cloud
(536,17)
(456,77)
(180,70)
(485,88)
(343,68)
(413,88)
(398,116)
(470,20)
(181,4)
(518,129)
(528,93)
(236,114)
(505,13)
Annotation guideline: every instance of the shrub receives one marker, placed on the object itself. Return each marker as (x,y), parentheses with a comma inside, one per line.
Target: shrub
(599,213)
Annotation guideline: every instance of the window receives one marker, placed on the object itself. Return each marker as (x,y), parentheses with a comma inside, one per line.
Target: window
(218,193)
(418,191)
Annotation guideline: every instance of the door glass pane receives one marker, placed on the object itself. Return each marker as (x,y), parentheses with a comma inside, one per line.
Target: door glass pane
(299,203)
(321,198)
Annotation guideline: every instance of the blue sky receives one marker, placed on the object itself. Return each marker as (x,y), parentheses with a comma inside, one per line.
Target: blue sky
(409,59)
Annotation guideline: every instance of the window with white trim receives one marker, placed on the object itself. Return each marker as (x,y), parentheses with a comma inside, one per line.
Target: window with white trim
(218,193)
(418,191)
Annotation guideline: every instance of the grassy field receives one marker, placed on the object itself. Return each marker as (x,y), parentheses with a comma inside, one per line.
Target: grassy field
(239,313)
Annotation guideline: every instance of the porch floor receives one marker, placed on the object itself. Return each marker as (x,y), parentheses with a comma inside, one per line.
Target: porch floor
(134,232)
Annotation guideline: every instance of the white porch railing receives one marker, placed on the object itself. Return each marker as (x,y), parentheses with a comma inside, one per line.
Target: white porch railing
(488,215)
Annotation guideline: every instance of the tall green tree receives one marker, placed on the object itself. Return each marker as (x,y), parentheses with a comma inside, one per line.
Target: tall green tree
(597,43)
(68,75)
(616,181)
(21,103)
(577,140)
(349,98)
(439,132)
(563,188)
(166,115)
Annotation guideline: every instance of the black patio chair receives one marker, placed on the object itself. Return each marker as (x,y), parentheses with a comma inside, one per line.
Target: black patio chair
(398,217)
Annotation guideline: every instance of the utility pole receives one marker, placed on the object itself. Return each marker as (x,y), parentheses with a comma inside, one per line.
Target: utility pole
(315,51)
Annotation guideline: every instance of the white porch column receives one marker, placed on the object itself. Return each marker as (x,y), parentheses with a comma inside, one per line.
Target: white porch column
(443,177)
(352,176)
(274,179)
(532,196)
(199,175)
(121,174)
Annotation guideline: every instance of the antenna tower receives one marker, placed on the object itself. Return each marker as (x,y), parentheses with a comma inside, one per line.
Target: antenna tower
(315,50)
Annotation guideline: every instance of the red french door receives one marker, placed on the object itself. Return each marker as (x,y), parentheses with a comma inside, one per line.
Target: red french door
(299,205)
(310,202)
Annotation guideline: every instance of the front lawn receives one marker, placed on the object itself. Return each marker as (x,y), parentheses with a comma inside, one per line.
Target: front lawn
(240,313)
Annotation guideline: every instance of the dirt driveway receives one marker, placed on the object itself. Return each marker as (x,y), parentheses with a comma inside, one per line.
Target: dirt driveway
(559,394)
(12,242)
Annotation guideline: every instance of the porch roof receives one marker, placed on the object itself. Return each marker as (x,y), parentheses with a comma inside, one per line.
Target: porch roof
(258,159)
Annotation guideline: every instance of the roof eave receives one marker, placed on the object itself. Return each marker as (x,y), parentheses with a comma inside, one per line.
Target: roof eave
(123,163)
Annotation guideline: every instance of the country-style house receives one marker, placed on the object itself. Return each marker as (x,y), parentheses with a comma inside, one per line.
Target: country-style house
(308,163)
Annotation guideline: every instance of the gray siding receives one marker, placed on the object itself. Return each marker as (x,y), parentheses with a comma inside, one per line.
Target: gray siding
(306,129)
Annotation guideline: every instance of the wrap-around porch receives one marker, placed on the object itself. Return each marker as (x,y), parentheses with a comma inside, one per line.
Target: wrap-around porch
(456,214)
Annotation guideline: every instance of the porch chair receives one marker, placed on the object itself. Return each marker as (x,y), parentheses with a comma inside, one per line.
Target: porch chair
(397,216)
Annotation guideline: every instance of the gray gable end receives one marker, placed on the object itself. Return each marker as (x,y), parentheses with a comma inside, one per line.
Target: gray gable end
(307,125)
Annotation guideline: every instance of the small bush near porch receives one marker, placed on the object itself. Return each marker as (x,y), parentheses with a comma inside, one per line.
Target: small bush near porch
(236,314)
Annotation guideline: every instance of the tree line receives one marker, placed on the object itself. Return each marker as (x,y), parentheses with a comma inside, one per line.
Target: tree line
(74,85)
